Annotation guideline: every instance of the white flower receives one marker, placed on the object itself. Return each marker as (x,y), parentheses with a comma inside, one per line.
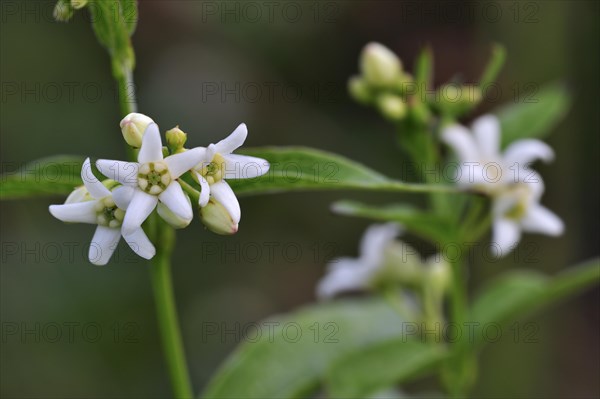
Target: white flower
(517,209)
(219,164)
(379,65)
(152,179)
(516,190)
(95,204)
(481,164)
(347,274)
(133,127)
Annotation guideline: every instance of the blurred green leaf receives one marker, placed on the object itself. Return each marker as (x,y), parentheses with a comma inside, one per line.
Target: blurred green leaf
(427,225)
(520,292)
(536,115)
(493,67)
(57,175)
(300,168)
(380,366)
(424,70)
(278,367)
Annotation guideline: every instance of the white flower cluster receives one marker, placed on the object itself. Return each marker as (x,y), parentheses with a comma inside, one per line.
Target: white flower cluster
(515,189)
(153,183)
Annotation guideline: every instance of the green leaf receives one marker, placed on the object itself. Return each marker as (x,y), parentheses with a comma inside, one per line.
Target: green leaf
(424,70)
(380,366)
(277,367)
(300,168)
(535,115)
(427,225)
(57,175)
(493,67)
(520,292)
(130,15)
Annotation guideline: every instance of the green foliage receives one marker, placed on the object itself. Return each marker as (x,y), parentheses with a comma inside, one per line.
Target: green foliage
(520,292)
(535,115)
(301,168)
(380,366)
(494,66)
(425,224)
(277,367)
(57,175)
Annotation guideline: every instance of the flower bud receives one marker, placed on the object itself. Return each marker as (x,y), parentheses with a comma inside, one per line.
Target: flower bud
(391,106)
(439,274)
(172,219)
(403,263)
(78,4)
(216,218)
(80,194)
(379,65)
(63,11)
(133,127)
(176,139)
(359,89)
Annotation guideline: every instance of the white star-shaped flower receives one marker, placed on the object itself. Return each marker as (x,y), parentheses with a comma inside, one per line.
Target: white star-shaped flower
(152,179)
(350,274)
(96,204)
(515,189)
(219,164)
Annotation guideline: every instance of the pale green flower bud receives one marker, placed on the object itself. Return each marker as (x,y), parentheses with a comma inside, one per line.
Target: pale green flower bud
(359,89)
(63,11)
(78,4)
(216,218)
(391,106)
(176,139)
(171,218)
(80,194)
(439,274)
(133,127)
(403,263)
(379,65)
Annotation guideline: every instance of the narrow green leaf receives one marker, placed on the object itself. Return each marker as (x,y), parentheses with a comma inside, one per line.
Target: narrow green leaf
(427,225)
(380,366)
(424,70)
(57,175)
(300,168)
(130,14)
(520,292)
(278,367)
(535,115)
(493,67)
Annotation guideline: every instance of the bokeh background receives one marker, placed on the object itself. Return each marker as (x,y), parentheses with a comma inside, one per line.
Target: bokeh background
(281,69)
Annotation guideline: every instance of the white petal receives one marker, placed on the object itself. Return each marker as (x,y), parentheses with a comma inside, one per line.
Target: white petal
(180,163)
(523,152)
(374,241)
(225,195)
(121,171)
(244,167)
(78,212)
(140,244)
(122,196)
(462,142)
(174,198)
(78,195)
(343,275)
(233,141)
(103,245)
(151,150)
(96,189)
(205,190)
(140,207)
(540,219)
(507,234)
(486,130)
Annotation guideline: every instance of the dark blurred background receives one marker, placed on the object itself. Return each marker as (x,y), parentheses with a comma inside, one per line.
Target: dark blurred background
(280,67)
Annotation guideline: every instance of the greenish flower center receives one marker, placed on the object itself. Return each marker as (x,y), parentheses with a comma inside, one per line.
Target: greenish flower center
(154,177)
(214,170)
(108,213)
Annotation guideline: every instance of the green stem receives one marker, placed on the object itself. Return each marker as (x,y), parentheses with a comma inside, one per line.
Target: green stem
(167,312)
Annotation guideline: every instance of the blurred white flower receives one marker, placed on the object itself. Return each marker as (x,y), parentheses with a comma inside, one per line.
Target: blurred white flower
(348,274)
(152,179)
(515,189)
(218,164)
(95,204)
(379,65)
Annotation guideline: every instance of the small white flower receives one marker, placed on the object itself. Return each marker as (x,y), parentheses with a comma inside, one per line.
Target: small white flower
(152,179)
(515,189)
(95,204)
(219,164)
(348,274)
(517,209)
